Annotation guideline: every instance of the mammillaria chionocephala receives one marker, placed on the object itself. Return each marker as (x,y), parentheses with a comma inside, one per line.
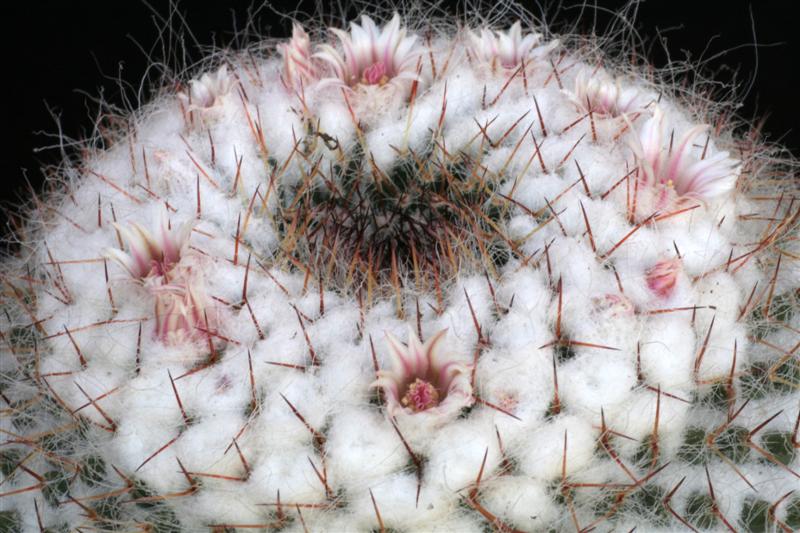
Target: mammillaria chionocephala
(598,280)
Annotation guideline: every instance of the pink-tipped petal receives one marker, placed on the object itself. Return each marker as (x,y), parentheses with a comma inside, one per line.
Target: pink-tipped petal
(680,158)
(401,362)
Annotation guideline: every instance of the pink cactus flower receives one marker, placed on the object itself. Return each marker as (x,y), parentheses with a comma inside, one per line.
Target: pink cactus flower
(207,91)
(180,314)
(298,67)
(372,57)
(424,380)
(675,165)
(602,95)
(150,255)
(662,277)
(508,49)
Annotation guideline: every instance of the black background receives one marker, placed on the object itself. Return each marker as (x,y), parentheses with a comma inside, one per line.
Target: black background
(61,54)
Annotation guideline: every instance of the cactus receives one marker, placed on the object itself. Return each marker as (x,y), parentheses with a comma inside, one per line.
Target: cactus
(596,272)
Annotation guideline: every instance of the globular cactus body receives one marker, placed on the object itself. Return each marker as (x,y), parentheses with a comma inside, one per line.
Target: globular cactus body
(599,293)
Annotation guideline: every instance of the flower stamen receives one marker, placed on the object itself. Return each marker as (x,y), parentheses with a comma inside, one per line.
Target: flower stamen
(375,74)
(420,395)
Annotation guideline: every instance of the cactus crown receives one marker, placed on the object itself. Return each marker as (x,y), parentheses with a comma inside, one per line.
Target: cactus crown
(431,214)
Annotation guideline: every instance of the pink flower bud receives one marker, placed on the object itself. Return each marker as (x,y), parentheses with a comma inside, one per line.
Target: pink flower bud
(298,68)
(180,314)
(661,278)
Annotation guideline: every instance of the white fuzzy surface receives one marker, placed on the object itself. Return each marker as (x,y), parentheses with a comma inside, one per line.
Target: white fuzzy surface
(648,352)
